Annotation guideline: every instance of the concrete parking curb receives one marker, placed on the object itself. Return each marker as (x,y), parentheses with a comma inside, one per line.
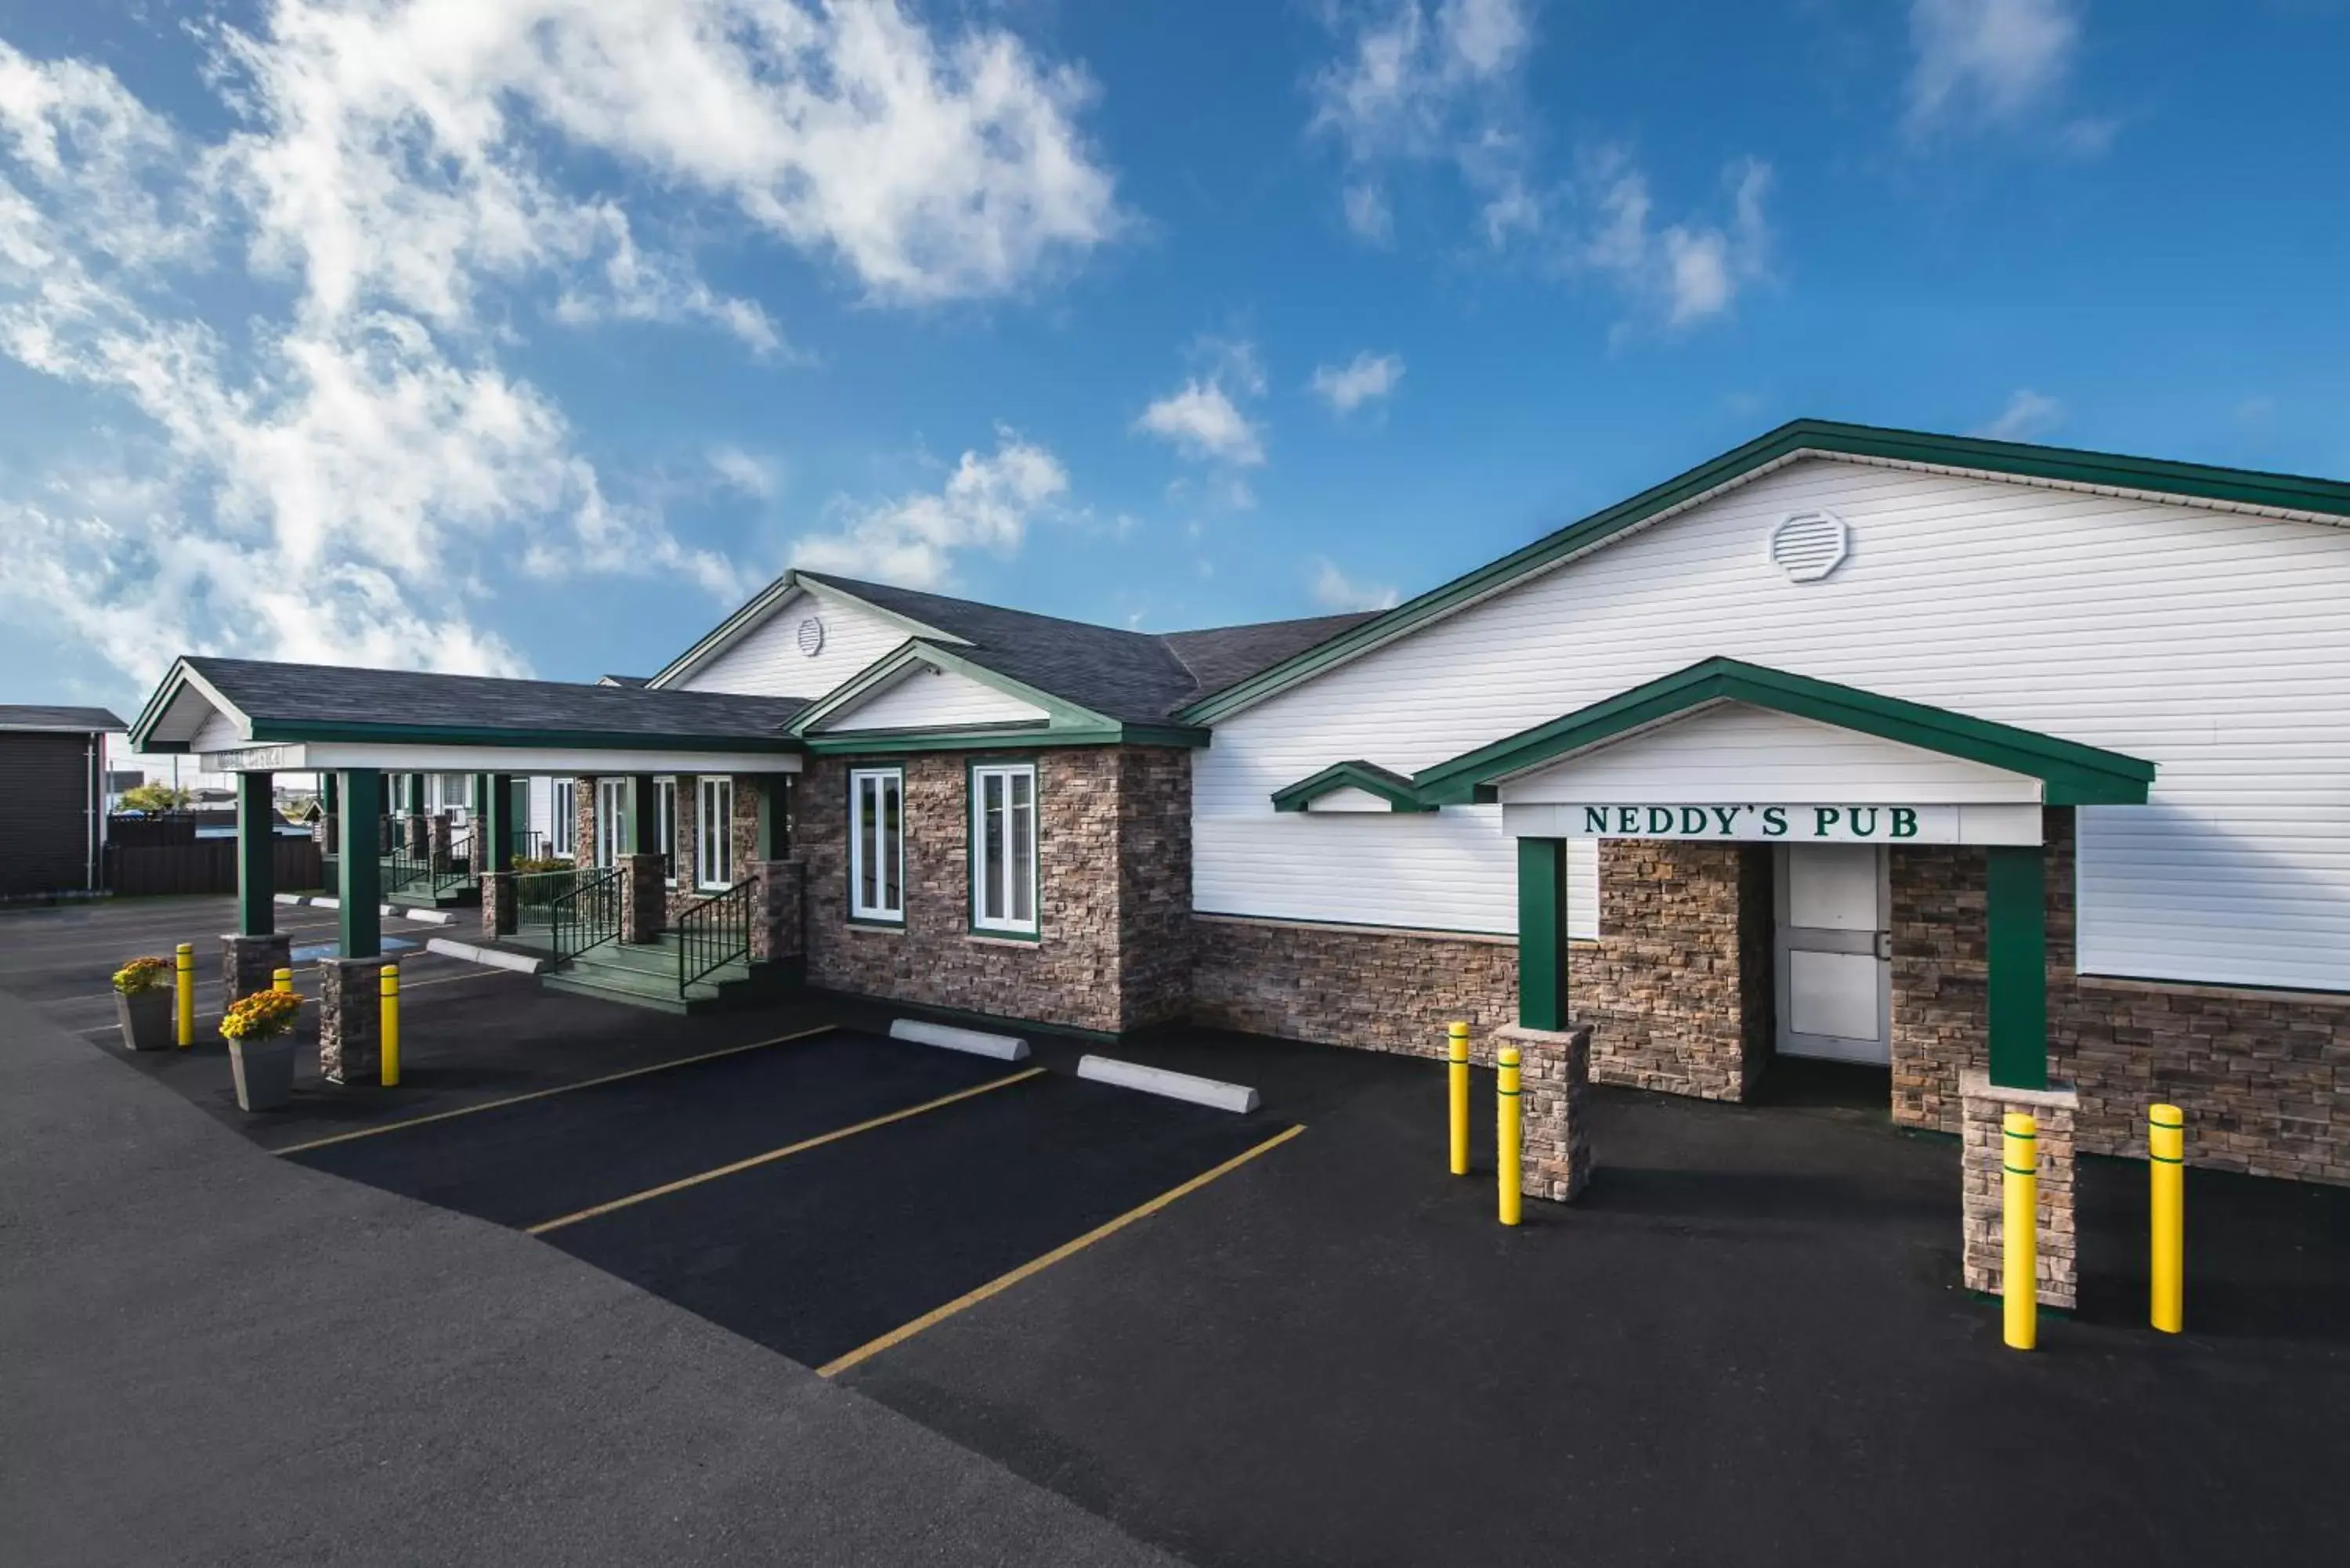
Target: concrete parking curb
(1003,1047)
(1211,1092)
(492,958)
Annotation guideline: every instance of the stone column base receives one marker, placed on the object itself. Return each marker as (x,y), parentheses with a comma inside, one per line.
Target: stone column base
(251,963)
(1555,1092)
(416,838)
(776,930)
(350,1020)
(498,903)
(644,902)
(440,832)
(1981,1105)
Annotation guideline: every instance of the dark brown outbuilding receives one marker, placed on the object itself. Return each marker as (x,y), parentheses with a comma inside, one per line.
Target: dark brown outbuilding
(53,798)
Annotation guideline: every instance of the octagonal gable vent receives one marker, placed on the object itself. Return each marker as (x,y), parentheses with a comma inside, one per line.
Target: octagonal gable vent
(1808,545)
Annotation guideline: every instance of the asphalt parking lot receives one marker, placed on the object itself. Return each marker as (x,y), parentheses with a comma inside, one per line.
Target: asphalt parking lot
(1746,1344)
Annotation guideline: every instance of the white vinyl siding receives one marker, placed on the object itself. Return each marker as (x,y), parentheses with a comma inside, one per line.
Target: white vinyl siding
(713,832)
(927,698)
(218,733)
(766,662)
(2213,644)
(877,843)
(1004,848)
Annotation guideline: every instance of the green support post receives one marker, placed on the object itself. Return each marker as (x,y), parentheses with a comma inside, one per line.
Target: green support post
(774,798)
(2017,949)
(257,846)
(1542,933)
(359,878)
(416,795)
(498,822)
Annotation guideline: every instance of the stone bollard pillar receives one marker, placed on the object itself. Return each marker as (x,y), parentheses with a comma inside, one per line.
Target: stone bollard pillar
(776,928)
(251,963)
(644,902)
(350,1020)
(440,832)
(477,853)
(416,837)
(498,903)
(1981,1107)
(1554,1083)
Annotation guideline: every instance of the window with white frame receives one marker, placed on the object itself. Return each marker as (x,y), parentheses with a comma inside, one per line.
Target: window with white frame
(877,843)
(611,821)
(1003,848)
(714,838)
(563,811)
(665,818)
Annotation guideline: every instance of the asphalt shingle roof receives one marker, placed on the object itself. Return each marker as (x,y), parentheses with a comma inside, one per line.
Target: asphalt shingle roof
(44,716)
(1134,677)
(294,694)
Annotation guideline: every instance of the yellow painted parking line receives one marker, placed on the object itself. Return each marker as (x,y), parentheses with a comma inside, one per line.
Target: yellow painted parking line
(557,1089)
(663,1190)
(1003,1283)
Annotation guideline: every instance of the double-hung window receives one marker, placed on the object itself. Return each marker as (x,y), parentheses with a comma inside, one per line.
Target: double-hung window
(562,813)
(1004,848)
(713,832)
(877,843)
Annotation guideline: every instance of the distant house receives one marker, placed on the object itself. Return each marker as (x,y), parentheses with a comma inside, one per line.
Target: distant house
(53,798)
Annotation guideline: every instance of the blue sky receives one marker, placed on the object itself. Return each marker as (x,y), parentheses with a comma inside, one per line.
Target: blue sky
(527,335)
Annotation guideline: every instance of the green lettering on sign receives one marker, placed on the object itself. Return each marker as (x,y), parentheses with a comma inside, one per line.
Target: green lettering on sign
(1823,818)
(1904,822)
(1774,821)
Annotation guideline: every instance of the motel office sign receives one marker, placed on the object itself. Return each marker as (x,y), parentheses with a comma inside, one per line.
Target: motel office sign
(1783,823)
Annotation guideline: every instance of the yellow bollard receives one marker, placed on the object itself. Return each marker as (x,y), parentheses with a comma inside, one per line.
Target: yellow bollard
(1511,1134)
(391,1053)
(186,980)
(1457,1071)
(2020,1229)
(2166,1157)
(283,980)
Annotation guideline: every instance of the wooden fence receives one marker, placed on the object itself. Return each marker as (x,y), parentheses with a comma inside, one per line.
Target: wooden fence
(206,865)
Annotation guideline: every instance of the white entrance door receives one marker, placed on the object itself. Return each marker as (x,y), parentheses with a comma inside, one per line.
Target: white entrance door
(1833,951)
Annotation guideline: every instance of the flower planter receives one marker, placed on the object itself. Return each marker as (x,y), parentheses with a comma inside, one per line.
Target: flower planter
(264,1071)
(146,1019)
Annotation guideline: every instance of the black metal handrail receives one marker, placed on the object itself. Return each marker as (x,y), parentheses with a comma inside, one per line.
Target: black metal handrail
(401,869)
(456,867)
(587,914)
(712,933)
(529,844)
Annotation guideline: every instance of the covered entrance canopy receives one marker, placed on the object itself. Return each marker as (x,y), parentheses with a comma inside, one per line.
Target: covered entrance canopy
(1727,750)
(255,719)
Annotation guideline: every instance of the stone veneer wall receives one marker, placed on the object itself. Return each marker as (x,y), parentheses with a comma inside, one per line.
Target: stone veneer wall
(1676,989)
(1354,985)
(2258,1074)
(1113,880)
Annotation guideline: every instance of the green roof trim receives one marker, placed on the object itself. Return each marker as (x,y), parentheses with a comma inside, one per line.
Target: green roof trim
(2070,773)
(755,609)
(1368,777)
(2324,497)
(1066,723)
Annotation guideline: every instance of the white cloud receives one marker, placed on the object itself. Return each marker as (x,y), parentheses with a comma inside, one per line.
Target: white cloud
(1988,60)
(333,470)
(986,503)
(752,475)
(1203,419)
(2029,415)
(1349,386)
(1690,271)
(1416,83)
(1335,590)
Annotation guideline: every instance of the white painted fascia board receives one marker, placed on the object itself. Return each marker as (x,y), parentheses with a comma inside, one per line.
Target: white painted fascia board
(555,762)
(770,602)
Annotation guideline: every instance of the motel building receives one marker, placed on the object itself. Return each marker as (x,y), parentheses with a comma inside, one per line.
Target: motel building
(2019,776)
